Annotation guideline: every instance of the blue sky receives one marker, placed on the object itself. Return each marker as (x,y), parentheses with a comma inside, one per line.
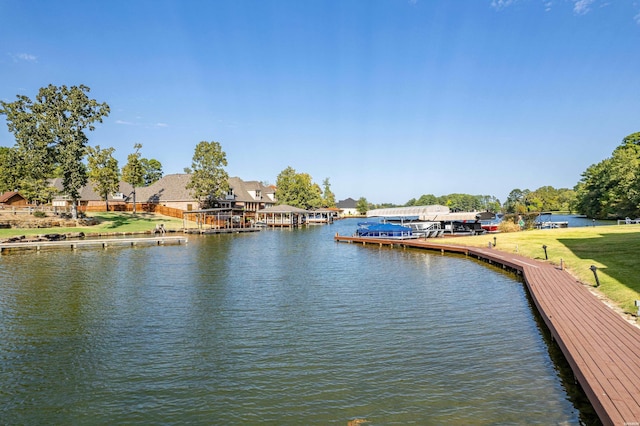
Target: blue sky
(389,99)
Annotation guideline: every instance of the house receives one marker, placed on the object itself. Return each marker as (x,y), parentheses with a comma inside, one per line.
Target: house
(348,207)
(90,199)
(250,195)
(12,199)
(171,191)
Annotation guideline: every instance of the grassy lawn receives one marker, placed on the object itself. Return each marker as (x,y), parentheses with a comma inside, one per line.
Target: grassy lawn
(108,223)
(614,250)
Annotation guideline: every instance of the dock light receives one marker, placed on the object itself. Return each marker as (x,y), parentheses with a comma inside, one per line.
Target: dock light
(594,269)
(638,306)
(545,252)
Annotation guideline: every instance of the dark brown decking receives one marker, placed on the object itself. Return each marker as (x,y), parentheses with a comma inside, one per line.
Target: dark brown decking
(602,348)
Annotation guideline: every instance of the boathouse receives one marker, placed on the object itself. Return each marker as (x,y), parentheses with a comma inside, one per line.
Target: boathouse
(320,216)
(282,216)
(216,219)
(451,222)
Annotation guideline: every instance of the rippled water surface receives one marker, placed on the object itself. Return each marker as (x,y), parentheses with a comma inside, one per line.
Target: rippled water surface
(275,327)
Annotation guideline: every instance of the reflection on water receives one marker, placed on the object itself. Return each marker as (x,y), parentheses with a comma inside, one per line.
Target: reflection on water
(279,327)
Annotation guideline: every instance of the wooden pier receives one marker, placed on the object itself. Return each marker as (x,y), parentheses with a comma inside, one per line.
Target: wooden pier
(209,231)
(602,348)
(74,244)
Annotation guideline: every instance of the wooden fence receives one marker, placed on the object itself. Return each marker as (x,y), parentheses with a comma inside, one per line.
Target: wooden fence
(140,207)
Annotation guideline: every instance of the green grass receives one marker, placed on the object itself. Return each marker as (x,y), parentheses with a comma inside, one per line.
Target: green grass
(614,250)
(112,222)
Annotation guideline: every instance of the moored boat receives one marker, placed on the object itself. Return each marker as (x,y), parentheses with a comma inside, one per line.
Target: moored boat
(384,230)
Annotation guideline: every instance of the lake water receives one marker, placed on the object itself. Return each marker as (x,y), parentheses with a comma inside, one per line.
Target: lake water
(275,327)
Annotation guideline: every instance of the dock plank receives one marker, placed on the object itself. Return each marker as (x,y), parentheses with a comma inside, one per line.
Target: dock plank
(602,348)
(90,243)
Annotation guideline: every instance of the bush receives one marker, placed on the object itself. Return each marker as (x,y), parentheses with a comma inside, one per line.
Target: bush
(39,214)
(508,226)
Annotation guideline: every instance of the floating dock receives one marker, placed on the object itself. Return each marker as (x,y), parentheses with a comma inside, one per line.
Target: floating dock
(75,244)
(602,348)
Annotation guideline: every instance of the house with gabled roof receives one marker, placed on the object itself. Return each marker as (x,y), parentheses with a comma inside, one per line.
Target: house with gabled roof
(89,198)
(171,191)
(250,195)
(348,207)
(12,199)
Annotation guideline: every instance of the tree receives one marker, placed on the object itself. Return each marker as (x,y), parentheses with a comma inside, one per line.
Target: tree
(286,191)
(611,188)
(104,173)
(328,197)
(152,170)
(9,170)
(517,201)
(362,205)
(209,181)
(133,172)
(50,131)
(298,190)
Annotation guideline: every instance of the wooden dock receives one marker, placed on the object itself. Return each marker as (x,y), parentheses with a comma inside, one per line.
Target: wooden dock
(602,348)
(74,244)
(208,231)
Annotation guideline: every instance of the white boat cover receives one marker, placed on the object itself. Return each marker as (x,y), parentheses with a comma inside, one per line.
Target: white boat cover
(432,213)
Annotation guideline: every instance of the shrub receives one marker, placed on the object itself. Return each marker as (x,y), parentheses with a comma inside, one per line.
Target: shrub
(39,214)
(508,226)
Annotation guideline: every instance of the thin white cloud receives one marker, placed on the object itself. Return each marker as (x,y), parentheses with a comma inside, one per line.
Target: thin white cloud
(24,57)
(637,18)
(500,4)
(162,125)
(547,6)
(126,123)
(581,7)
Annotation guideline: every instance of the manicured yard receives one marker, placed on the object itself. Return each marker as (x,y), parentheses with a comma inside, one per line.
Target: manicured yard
(614,250)
(111,222)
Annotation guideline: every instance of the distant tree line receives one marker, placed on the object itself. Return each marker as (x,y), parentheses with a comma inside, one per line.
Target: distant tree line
(546,198)
(459,202)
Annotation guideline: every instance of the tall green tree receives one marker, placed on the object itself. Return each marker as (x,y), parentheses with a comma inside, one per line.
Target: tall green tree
(10,170)
(328,197)
(152,170)
(50,132)
(104,173)
(209,180)
(133,171)
(362,205)
(298,190)
(517,201)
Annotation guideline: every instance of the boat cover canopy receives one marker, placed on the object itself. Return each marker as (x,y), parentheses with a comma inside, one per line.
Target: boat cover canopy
(430,213)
